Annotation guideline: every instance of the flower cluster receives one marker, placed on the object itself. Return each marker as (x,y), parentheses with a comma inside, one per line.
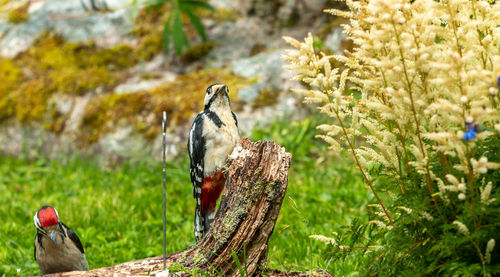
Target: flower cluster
(415,100)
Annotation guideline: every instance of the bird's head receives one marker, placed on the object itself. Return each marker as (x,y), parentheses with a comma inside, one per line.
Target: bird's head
(217,95)
(46,221)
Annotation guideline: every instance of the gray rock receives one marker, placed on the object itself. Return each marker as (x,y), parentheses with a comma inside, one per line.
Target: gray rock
(251,93)
(154,66)
(63,103)
(287,106)
(124,142)
(136,84)
(75,117)
(226,4)
(72,20)
(268,68)
(235,40)
(175,143)
(334,39)
(30,141)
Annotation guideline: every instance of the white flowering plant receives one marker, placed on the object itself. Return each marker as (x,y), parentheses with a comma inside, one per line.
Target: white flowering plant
(416,104)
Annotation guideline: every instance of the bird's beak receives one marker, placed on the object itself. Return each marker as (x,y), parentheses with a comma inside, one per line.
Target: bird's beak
(53,236)
(220,89)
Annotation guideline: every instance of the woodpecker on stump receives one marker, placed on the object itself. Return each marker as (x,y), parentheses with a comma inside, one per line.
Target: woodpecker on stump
(57,247)
(212,137)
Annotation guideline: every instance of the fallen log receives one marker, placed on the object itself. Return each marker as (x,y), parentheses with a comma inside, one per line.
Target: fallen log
(252,198)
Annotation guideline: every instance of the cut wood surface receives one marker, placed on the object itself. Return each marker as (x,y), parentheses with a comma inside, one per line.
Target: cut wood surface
(251,201)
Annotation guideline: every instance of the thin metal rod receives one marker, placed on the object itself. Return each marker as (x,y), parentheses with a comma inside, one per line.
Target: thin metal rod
(164,129)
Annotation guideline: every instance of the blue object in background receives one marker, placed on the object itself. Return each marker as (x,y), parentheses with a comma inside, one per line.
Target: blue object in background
(470,134)
(471,131)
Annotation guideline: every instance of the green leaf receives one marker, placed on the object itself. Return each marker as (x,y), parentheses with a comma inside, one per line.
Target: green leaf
(245,259)
(166,33)
(195,21)
(197,4)
(238,264)
(178,34)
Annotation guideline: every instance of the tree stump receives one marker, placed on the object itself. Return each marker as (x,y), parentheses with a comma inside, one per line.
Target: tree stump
(252,198)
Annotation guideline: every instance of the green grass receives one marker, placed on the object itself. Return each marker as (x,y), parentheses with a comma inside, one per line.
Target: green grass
(117,211)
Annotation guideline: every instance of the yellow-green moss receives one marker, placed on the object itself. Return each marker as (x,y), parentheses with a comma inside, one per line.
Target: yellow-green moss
(257,48)
(151,46)
(232,219)
(198,51)
(3,3)
(199,258)
(220,15)
(52,65)
(148,29)
(180,99)
(266,97)
(10,74)
(270,188)
(19,14)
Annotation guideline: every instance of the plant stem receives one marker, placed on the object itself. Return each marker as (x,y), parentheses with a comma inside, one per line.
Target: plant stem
(470,177)
(414,112)
(400,134)
(481,257)
(365,177)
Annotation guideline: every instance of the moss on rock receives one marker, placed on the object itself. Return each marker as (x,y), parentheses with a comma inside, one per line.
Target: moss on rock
(19,14)
(220,14)
(198,51)
(148,29)
(267,97)
(199,258)
(180,99)
(52,66)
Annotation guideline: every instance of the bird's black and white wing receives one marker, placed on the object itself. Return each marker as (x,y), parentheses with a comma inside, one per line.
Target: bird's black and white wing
(74,238)
(235,119)
(38,240)
(196,150)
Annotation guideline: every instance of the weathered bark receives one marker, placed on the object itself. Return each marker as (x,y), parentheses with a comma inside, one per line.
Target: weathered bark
(256,186)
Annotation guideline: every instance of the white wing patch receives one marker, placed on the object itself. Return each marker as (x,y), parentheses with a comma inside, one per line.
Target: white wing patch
(191,138)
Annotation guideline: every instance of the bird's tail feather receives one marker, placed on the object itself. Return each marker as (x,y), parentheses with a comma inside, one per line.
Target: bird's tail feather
(209,217)
(199,225)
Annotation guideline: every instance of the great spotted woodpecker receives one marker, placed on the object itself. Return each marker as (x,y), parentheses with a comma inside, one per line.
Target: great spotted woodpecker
(212,137)
(57,247)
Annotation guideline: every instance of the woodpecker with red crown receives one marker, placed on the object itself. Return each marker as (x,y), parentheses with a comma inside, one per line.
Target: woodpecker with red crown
(57,247)
(212,137)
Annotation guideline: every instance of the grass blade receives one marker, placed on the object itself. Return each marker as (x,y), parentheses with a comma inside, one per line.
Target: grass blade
(178,34)
(238,264)
(194,20)
(198,4)
(167,33)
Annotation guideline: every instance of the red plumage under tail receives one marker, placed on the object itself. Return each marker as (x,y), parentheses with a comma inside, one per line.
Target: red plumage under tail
(210,192)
